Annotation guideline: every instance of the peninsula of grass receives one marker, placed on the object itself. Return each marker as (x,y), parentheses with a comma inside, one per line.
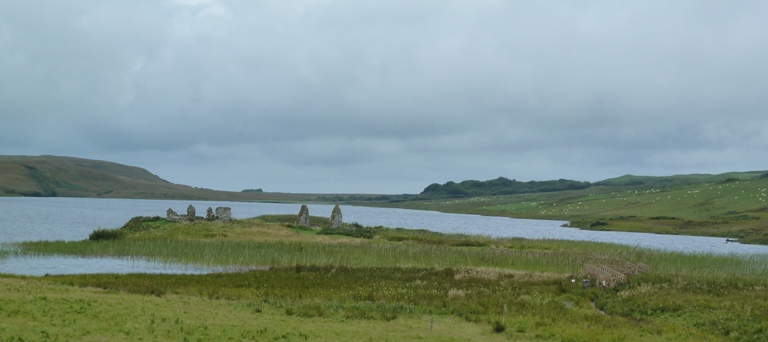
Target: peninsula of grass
(377,283)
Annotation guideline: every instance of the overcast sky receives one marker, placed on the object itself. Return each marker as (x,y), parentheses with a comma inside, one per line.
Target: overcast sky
(387,96)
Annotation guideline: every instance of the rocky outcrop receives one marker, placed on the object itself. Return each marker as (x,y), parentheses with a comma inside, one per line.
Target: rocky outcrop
(303,218)
(335,221)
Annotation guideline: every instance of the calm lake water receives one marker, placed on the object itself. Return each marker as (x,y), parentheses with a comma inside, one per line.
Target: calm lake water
(24,219)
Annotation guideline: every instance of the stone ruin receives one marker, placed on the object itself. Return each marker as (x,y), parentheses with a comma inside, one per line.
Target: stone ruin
(303,218)
(191,217)
(222,214)
(173,216)
(335,221)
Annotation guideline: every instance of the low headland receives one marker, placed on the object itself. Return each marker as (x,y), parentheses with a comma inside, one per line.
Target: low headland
(310,281)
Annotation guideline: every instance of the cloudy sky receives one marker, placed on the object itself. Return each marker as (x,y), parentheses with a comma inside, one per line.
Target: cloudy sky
(387,96)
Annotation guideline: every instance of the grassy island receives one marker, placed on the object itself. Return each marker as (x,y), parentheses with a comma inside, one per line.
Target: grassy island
(375,283)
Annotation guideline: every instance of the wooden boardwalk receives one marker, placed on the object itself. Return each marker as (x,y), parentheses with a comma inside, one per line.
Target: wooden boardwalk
(611,274)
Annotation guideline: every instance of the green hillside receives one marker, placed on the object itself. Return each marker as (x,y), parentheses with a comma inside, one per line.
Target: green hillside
(679,180)
(498,186)
(53,176)
(729,205)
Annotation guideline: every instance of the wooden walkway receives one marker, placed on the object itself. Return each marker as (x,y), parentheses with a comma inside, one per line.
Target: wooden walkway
(611,274)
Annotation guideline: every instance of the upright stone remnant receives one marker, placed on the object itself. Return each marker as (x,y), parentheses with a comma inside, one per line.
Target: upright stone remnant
(224,214)
(172,215)
(335,217)
(303,218)
(221,214)
(191,214)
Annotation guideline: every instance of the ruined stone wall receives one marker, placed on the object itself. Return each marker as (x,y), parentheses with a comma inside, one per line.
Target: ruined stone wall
(173,216)
(303,218)
(223,214)
(191,213)
(335,221)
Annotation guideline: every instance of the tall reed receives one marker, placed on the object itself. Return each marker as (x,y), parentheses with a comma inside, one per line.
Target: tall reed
(541,256)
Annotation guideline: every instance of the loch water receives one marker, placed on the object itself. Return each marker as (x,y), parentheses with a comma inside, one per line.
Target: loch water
(71,219)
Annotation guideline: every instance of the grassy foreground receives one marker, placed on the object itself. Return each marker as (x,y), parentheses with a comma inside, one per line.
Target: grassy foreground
(379,284)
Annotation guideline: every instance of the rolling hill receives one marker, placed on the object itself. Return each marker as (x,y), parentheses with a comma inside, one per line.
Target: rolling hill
(728,205)
(54,176)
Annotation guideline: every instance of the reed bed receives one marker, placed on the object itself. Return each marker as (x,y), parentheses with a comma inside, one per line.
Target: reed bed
(555,256)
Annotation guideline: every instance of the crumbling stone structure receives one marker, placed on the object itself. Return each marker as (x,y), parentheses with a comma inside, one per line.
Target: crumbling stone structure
(303,218)
(223,214)
(335,221)
(173,216)
(191,217)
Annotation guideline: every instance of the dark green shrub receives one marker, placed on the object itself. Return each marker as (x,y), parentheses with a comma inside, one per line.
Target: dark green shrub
(105,234)
(499,326)
(354,231)
(359,313)
(598,224)
(662,218)
(309,310)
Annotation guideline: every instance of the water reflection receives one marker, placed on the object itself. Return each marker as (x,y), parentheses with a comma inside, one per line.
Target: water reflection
(38,266)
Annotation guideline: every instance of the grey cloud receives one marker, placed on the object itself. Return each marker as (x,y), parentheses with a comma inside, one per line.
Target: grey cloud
(387,94)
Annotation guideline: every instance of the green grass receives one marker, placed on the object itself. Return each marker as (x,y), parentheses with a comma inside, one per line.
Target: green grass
(328,301)
(44,309)
(387,286)
(732,208)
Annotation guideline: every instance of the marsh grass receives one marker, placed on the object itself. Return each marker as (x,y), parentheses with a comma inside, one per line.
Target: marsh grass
(254,243)
(399,274)
(40,309)
(517,305)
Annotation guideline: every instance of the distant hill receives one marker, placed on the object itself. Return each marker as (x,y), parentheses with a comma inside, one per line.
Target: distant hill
(731,205)
(505,186)
(678,180)
(498,186)
(54,176)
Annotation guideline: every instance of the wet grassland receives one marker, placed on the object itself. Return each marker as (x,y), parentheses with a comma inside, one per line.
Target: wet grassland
(361,283)
(735,207)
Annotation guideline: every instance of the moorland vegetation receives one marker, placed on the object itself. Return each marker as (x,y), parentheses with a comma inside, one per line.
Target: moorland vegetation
(298,283)
(731,205)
